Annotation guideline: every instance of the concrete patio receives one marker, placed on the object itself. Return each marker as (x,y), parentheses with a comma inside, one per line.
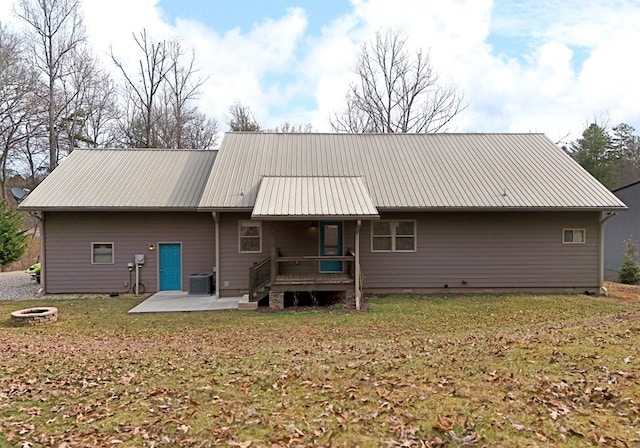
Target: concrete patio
(181,301)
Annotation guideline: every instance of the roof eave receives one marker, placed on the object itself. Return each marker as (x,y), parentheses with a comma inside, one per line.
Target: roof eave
(504,209)
(313,217)
(109,209)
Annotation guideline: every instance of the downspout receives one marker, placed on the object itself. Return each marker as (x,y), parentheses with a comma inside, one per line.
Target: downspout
(216,226)
(602,221)
(357,264)
(43,245)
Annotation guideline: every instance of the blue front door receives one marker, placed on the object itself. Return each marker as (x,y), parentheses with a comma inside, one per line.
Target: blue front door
(330,245)
(170,262)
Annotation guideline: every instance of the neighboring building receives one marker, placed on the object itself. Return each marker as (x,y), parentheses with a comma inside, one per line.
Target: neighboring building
(379,213)
(622,227)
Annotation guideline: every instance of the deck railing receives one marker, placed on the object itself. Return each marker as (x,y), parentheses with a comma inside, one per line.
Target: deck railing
(259,278)
(302,270)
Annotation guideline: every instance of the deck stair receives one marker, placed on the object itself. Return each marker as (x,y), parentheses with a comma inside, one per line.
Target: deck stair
(245,304)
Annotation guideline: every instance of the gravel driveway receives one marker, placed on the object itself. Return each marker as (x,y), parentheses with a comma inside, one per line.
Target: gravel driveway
(17,285)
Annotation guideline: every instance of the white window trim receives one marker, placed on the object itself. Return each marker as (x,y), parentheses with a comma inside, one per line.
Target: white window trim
(113,251)
(584,235)
(394,236)
(253,224)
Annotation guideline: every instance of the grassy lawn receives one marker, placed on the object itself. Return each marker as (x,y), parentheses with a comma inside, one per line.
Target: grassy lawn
(414,371)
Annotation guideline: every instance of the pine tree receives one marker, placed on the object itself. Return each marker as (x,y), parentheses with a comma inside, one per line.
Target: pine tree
(629,272)
(13,238)
(595,153)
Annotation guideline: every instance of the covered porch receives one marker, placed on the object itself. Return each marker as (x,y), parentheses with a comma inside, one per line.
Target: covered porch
(324,253)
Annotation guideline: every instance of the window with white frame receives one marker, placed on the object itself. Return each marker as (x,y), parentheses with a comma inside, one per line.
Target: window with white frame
(249,237)
(573,236)
(393,236)
(101,253)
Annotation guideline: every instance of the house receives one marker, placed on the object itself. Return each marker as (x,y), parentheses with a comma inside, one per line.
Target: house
(277,214)
(622,227)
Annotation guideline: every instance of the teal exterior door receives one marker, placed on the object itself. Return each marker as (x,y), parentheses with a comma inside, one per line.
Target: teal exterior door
(331,245)
(170,266)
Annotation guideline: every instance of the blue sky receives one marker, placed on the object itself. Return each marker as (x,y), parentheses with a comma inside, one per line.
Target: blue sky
(547,66)
(226,15)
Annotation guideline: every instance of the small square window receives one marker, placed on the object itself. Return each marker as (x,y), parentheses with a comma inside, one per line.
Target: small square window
(249,237)
(573,236)
(102,253)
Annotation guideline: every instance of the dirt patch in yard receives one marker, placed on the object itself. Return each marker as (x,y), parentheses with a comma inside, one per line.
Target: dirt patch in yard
(628,293)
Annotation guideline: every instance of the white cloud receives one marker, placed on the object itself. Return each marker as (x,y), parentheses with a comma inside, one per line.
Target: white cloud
(609,79)
(558,93)
(236,63)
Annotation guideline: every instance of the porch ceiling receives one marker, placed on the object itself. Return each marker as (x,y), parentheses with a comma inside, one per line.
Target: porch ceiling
(313,198)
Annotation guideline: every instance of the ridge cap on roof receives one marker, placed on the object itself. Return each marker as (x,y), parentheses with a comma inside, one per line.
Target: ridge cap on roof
(145,149)
(362,134)
(320,176)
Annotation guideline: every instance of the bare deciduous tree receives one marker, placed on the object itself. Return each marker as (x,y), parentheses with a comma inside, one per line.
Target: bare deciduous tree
(56,32)
(19,103)
(183,86)
(152,71)
(242,119)
(89,96)
(100,122)
(396,91)
(159,110)
(287,127)
(200,132)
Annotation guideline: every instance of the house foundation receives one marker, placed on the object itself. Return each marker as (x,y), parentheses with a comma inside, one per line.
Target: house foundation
(276,300)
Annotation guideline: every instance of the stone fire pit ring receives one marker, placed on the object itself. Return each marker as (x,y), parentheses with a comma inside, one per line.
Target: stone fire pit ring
(34,316)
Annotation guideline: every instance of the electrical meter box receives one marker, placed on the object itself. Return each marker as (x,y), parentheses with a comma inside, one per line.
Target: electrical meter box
(139,258)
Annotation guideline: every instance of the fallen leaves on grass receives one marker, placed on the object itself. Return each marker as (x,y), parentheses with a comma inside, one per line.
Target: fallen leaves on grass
(443,373)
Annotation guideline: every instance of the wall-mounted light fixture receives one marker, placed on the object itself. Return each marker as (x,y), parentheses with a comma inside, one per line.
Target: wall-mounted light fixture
(314,224)
(151,247)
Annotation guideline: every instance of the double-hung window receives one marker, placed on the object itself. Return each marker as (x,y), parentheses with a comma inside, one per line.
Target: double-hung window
(249,237)
(101,253)
(393,236)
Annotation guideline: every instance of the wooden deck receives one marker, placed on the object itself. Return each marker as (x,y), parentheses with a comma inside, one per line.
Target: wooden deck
(314,279)
(312,282)
(270,274)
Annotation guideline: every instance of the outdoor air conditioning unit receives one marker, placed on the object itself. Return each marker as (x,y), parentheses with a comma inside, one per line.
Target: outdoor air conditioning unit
(200,284)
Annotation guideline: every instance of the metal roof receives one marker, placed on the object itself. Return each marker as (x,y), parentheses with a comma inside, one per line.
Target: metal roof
(108,179)
(313,198)
(412,171)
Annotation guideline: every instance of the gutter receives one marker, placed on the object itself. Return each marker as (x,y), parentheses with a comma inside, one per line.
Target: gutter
(43,252)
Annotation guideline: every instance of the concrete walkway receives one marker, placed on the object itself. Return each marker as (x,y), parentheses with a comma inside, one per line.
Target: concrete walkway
(176,301)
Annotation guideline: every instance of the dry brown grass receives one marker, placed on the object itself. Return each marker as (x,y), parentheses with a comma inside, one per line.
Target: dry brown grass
(629,293)
(499,371)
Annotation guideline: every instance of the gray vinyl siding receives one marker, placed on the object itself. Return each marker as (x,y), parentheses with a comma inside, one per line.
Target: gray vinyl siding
(68,247)
(511,250)
(292,238)
(624,226)
(486,250)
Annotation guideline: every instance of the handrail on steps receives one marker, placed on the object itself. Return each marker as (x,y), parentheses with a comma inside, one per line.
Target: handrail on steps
(259,277)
